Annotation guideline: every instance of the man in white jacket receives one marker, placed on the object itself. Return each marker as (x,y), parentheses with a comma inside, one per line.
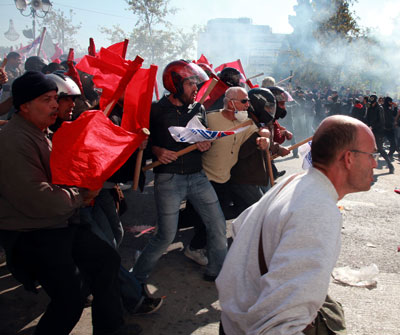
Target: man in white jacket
(299,225)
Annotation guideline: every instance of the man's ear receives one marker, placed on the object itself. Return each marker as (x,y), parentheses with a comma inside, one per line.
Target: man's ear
(24,108)
(348,159)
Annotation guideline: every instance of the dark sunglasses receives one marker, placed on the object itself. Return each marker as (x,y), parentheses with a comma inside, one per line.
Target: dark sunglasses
(243,101)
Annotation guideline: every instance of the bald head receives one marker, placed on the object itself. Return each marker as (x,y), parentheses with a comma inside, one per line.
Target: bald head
(334,135)
(234,93)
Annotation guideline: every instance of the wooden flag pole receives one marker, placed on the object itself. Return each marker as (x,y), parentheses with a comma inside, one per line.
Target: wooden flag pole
(283,80)
(138,165)
(269,165)
(294,146)
(193,147)
(255,76)
(41,41)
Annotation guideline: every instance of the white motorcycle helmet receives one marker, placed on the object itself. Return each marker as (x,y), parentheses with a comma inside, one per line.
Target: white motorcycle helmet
(66,86)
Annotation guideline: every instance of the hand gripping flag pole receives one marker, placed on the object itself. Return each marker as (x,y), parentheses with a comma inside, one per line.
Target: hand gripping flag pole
(193,146)
(294,146)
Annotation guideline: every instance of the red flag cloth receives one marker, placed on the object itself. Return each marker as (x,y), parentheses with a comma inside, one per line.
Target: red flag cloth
(215,94)
(107,103)
(119,48)
(71,55)
(72,73)
(250,84)
(57,53)
(88,151)
(236,65)
(91,48)
(203,60)
(107,69)
(138,98)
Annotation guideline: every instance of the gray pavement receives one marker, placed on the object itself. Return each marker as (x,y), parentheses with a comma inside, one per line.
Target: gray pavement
(370,235)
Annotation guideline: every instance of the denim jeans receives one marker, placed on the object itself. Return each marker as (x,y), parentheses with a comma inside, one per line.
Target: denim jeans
(169,190)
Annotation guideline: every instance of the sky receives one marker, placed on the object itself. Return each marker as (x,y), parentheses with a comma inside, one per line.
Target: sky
(94,14)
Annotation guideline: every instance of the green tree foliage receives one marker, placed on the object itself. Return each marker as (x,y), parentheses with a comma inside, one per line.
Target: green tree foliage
(153,37)
(61,28)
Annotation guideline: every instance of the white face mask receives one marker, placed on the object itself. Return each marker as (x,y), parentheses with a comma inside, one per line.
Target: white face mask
(240,115)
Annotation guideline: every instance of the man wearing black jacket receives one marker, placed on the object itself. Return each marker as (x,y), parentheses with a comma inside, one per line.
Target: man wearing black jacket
(376,121)
(180,178)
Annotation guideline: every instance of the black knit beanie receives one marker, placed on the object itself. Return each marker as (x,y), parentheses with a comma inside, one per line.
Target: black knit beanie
(29,86)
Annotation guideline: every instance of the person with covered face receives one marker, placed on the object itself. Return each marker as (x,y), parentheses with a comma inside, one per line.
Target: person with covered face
(376,121)
(276,275)
(180,178)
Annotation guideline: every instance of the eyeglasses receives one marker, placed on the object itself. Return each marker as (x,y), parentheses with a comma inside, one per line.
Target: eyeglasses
(374,155)
(243,101)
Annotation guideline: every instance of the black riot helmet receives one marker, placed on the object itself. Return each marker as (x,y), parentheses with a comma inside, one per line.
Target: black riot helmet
(231,77)
(262,105)
(281,97)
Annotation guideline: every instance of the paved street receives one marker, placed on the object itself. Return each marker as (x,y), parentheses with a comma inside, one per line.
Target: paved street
(370,235)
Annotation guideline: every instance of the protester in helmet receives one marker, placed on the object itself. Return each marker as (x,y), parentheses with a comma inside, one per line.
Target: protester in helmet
(35,63)
(232,77)
(68,91)
(181,72)
(263,110)
(181,177)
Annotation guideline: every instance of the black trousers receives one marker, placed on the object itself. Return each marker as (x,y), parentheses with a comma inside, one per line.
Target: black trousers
(70,263)
(379,137)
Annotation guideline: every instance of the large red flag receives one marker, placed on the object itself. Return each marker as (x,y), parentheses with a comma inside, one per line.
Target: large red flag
(137,101)
(87,151)
(236,65)
(107,69)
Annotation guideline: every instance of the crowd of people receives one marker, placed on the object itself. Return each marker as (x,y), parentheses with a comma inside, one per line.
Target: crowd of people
(67,238)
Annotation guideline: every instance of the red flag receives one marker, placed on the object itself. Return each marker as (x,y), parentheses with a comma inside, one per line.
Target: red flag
(204,60)
(216,93)
(72,73)
(108,103)
(91,48)
(87,151)
(107,69)
(119,48)
(137,101)
(236,65)
(57,53)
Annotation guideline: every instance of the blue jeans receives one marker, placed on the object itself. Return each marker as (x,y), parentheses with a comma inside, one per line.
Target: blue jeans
(169,190)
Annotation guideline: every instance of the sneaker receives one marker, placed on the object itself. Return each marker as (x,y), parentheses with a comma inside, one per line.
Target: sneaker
(149,305)
(196,255)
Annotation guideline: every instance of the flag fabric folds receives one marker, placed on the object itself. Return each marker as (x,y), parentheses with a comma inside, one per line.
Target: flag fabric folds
(138,98)
(87,151)
(196,132)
